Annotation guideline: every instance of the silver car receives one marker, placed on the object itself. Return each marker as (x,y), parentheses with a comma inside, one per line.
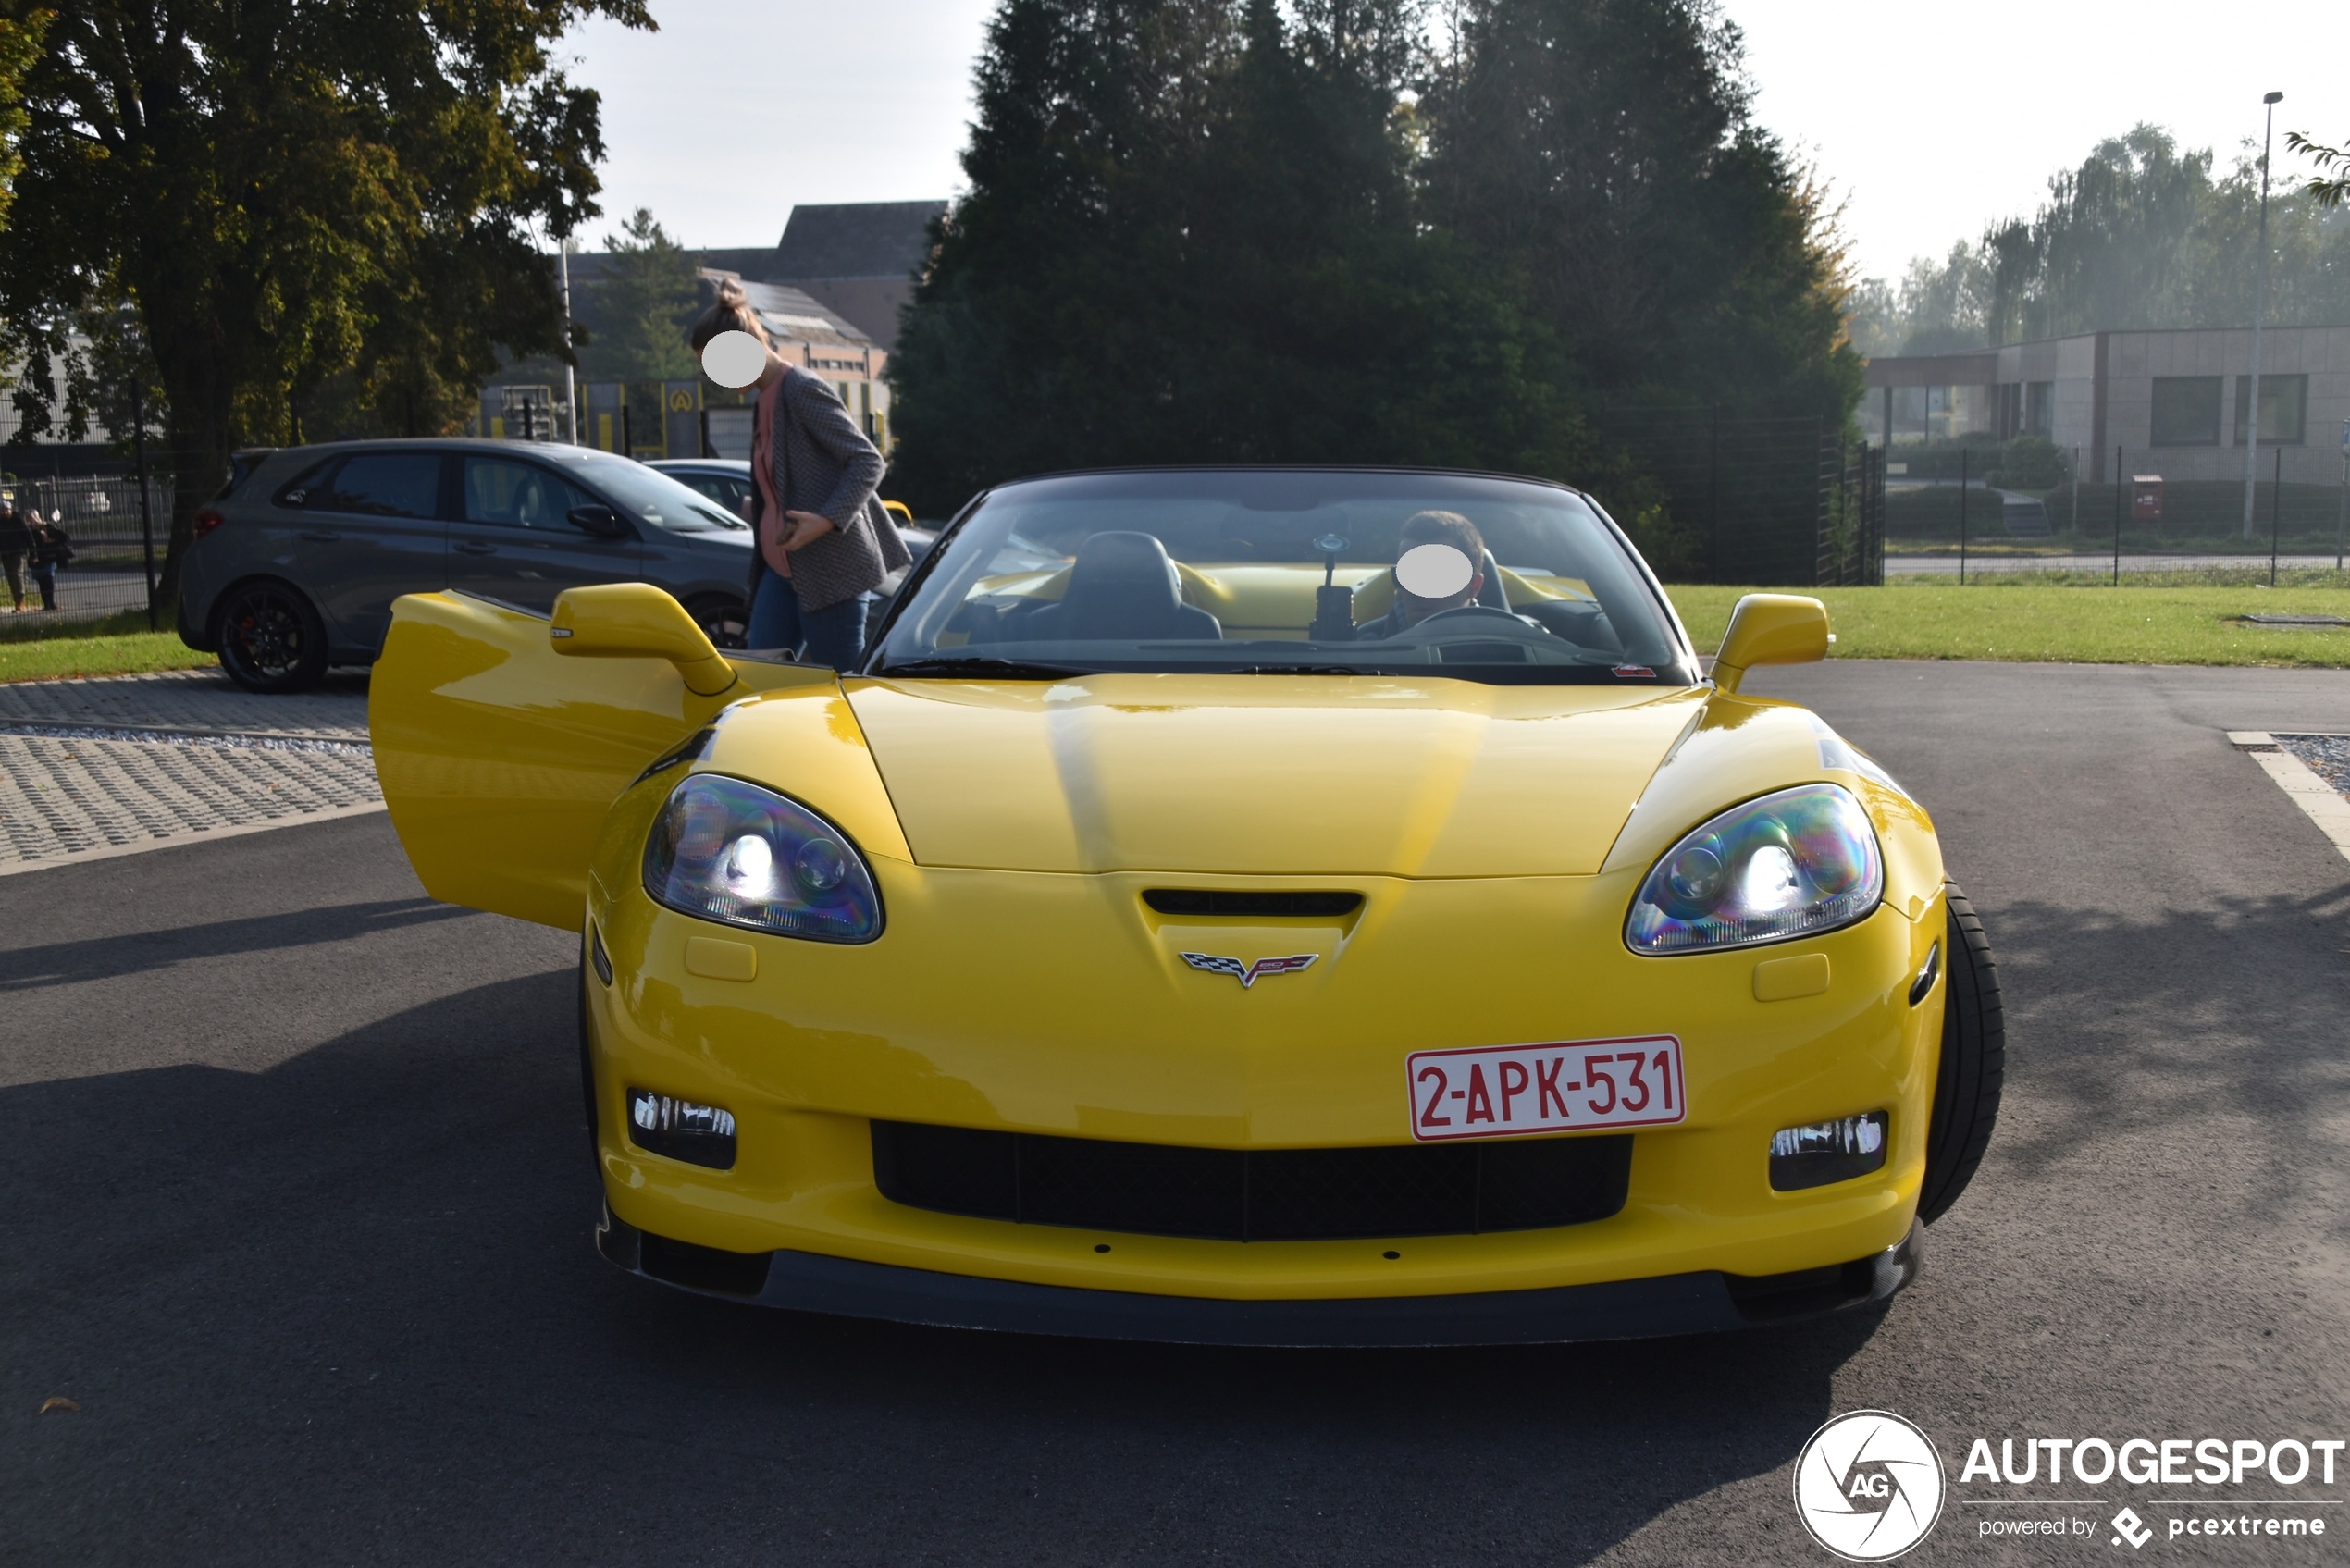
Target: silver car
(295,565)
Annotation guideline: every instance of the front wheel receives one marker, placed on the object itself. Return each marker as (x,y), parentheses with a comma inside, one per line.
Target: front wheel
(1974,1064)
(270,638)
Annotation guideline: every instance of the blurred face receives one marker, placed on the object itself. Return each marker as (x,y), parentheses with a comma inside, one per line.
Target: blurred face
(1444,575)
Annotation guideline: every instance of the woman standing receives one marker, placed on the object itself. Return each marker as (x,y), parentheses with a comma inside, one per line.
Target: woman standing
(823,542)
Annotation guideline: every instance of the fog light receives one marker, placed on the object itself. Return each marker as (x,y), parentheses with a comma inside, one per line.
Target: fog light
(681,1129)
(1826,1150)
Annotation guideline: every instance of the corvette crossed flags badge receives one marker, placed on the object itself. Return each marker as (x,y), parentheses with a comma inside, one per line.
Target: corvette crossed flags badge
(1248,974)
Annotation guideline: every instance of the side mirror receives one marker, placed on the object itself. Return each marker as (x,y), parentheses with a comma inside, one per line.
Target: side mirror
(1771,629)
(600,521)
(637,620)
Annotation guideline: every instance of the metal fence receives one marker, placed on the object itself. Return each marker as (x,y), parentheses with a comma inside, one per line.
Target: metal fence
(1773,502)
(119,544)
(1851,533)
(2136,509)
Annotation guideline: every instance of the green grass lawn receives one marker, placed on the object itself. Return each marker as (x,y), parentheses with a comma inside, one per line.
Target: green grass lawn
(35,647)
(2154,618)
(2028,619)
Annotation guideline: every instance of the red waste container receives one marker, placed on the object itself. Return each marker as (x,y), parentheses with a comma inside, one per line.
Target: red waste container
(2146,497)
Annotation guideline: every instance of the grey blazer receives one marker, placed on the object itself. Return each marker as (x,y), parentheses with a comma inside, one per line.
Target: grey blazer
(825,464)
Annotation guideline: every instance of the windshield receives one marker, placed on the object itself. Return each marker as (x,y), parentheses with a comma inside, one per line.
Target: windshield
(1279,571)
(641,492)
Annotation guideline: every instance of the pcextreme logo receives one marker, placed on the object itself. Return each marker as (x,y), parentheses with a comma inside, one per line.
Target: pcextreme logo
(1868,1485)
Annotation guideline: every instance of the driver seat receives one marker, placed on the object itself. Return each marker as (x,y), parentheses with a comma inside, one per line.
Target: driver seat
(1493,595)
(1123,587)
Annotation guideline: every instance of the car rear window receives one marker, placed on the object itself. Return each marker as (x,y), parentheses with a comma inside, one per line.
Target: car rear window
(380,485)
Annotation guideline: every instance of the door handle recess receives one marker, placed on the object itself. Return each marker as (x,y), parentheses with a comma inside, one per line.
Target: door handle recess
(470,547)
(320,536)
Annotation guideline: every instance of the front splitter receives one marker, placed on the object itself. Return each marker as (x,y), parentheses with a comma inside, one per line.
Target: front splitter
(1700,1302)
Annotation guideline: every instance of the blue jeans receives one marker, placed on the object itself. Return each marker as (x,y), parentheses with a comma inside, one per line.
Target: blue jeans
(834,637)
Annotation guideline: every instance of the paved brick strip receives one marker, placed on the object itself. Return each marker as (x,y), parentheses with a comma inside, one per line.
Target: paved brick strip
(91,770)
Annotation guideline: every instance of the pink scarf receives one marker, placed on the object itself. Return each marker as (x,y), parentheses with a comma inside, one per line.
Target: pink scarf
(773,525)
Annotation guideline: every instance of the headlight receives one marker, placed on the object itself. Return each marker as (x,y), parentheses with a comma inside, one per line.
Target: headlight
(1792,864)
(726,850)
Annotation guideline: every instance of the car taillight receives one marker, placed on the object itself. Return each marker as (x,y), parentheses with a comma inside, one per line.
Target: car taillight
(206,521)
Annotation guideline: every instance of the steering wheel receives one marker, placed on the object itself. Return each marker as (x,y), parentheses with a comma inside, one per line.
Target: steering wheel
(1480,612)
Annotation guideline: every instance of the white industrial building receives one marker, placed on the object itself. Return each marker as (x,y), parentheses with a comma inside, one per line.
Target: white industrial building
(2176,401)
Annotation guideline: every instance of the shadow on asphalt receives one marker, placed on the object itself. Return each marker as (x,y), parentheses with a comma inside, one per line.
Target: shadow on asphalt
(66,963)
(2193,1026)
(349,1308)
(349,1304)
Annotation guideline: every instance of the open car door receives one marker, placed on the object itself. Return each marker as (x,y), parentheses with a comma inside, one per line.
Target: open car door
(499,758)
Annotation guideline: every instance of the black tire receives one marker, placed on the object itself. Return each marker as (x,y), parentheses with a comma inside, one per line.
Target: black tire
(270,638)
(587,1070)
(722,619)
(1974,1063)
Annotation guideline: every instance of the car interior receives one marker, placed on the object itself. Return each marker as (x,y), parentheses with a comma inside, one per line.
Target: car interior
(1123,585)
(517,494)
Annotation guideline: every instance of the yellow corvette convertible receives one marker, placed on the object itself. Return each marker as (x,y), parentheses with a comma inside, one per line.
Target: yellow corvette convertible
(1255,905)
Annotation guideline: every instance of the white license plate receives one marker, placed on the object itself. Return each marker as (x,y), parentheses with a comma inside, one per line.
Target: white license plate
(1571,1086)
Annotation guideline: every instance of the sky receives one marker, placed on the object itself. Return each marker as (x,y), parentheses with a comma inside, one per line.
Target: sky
(1928,126)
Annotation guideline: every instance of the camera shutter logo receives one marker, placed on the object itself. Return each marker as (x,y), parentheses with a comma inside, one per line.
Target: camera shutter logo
(1868,1485)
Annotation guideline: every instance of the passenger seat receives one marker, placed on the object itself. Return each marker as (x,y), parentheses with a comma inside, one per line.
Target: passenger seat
(1123,587)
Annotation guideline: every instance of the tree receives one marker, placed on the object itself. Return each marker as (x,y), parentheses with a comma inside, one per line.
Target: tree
(20,39)
(2329,187)
(1191,235)
(1238,231)
(1604,153)
(1937,308)
(2141,235)
(308,207)
(2106,248)
(642,302)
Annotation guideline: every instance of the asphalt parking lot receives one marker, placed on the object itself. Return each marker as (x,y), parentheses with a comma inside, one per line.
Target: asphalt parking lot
(300,1210)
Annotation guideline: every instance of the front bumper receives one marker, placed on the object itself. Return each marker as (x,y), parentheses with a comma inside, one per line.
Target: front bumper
(1704,1302)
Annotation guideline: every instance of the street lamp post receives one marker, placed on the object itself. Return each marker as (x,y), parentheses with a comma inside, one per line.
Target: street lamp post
(571,378)
(2259,309)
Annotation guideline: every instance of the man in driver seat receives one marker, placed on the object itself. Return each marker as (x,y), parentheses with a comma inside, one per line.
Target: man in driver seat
(1410,609)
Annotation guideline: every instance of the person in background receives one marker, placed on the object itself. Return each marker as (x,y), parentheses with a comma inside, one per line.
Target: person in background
(822,542)
(52,548)
(15,543)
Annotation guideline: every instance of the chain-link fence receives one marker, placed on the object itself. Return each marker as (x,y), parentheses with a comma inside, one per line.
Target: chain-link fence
(1773,502)
(117,540)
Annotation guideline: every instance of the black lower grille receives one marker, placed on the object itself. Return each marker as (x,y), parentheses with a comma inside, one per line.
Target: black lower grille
(1256,1194)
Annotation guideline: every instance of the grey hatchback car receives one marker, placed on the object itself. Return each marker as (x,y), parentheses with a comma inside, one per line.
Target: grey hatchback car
(295,565)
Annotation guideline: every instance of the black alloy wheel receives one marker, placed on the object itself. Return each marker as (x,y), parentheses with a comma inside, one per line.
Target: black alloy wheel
(270,638)
(721,619)
(1974,1064)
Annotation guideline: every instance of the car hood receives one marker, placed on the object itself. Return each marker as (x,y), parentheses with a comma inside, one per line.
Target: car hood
(1267,775)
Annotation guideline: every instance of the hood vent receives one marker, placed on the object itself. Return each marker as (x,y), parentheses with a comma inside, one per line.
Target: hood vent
(1207,901)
